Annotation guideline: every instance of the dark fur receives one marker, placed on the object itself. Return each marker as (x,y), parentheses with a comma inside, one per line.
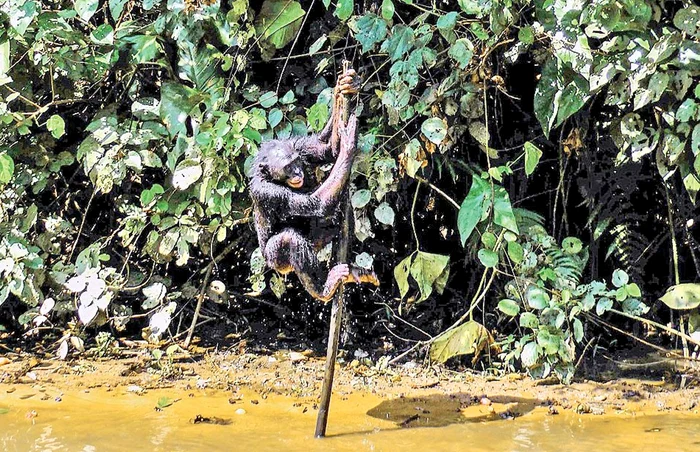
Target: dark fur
(292,224)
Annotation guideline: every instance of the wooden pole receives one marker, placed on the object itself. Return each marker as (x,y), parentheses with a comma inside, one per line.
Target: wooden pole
(337,303)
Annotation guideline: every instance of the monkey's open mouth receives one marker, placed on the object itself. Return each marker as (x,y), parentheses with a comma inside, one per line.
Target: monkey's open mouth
(295,182)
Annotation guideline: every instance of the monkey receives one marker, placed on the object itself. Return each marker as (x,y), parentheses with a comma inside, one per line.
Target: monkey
(294,220)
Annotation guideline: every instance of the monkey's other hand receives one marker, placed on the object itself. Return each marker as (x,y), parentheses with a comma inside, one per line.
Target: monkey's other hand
(348,82)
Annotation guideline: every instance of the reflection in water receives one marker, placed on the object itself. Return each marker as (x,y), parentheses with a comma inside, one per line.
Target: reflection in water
(119,421)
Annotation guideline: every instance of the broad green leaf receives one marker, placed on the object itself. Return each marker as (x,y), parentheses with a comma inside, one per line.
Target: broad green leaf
(56,126)
(360,198)
(526,35)
(472,208)
(384,214)
(318,116)
(530,354)
(515,252)
(695,141)
(268,99)
(503,211)
(634,306)
(344,9)
(446,23)
(369,30)
(387,9)
(532,157)
(176,103)
(537,297)
(468,338)
(316,46)
(633,290)
(186,173)
(165,402)
(426,269)
(116,7)
(682,296)
(279,21)
(401,275)
(274,117)
(620,278)
(488,258)
(7,168)
(144,48)
(578,330)
(571,245)
(462,51)
(509,307)
(688,20)
(489,240)
(104,35)
(604,305)
(434,129)
(399,43)
(86,8)
(549,342)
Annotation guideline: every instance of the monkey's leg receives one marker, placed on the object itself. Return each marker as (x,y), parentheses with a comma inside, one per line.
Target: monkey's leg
(289,250)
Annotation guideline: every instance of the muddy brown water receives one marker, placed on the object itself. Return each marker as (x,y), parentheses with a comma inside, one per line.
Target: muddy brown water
(41,419)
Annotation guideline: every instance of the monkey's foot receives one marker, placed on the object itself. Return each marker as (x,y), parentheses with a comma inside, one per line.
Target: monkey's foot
(360,275)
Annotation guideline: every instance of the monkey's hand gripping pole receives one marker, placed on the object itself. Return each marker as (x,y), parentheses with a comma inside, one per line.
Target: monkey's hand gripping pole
(337,303)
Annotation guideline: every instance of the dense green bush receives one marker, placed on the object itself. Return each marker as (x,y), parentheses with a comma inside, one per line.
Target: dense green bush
(126,128)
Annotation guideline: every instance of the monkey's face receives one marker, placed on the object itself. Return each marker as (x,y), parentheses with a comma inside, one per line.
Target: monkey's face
(294,173)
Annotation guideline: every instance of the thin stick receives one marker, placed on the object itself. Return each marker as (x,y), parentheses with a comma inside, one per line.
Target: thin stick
(336,308)
(200,300)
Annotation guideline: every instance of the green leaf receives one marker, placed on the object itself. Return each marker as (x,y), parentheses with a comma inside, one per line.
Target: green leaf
(532,157)
(176,103)
(426,269)
(620,278)
(488,258)
(472,208)
(144,48)
(688,20)
(399,43)
(56,126)
(268,99)
(316,46)
(103,35)
(633,290)
(509,307)
(369,30)
(526,35)
(7,168)
(571,245)
(515,252)
(682,296)
(537,297)
(578,330)
(384,214)
(116,7)
(695,141)
(387,9)
(165,402)
(4,410)
(530,354)
(489,240)
(502,210)
(186,173)
(462,51)
(446,23)
(634,306)
(86,8)
(468,338)
(360,198)
(344,9)
(318,116)
(401,275)
(434,129)
(279,21)
(274,117)
(560,93)
(604,305)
